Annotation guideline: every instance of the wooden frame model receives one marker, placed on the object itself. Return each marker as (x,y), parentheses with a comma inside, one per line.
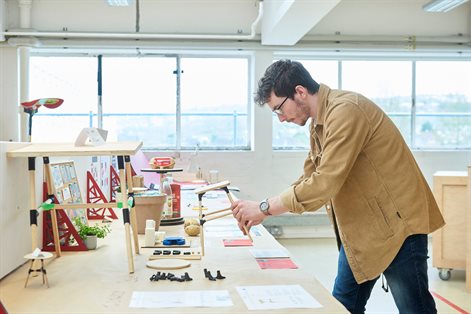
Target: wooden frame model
(65,186)
(222,213)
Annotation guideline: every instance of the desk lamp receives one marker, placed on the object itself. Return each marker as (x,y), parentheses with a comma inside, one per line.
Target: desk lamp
(31,107)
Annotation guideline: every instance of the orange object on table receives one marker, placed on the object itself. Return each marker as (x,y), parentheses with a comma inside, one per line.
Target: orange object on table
(162,163)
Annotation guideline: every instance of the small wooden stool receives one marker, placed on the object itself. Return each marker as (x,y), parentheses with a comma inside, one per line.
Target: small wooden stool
(42,257)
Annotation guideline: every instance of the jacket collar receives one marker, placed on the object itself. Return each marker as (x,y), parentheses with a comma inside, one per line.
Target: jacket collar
(322,95)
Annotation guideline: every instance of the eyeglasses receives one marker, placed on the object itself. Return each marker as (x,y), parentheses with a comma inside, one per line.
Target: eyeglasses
(277,109)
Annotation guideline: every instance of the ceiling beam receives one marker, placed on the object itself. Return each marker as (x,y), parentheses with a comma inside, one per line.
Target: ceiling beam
(285,22)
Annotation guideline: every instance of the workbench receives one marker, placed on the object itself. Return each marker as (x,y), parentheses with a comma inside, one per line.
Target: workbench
(240,268)
(93,281)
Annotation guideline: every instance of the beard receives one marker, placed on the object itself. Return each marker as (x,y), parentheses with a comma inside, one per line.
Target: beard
(303,113)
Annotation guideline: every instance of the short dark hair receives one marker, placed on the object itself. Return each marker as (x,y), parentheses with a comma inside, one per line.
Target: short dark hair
(282,77)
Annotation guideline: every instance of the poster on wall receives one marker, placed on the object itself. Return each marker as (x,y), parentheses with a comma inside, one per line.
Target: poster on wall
(66,187)
(105,162)
(100,170)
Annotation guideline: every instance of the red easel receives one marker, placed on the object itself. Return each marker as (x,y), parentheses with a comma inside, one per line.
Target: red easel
(95,195)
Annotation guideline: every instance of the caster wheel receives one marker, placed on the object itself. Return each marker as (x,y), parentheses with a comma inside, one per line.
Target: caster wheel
(444,273)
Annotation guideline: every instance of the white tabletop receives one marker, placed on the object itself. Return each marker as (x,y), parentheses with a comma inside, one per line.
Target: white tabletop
(42,255)
(69,149)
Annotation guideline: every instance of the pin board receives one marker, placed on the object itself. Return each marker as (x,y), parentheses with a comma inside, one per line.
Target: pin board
(66,188)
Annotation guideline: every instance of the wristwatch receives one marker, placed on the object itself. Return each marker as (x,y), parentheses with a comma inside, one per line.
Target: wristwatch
(264,207)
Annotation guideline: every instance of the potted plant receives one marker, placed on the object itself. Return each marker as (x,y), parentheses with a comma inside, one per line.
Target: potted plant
(89,234)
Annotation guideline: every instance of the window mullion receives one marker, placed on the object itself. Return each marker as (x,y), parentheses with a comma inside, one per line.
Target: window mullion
(100,92)
(178,124)
(413,107)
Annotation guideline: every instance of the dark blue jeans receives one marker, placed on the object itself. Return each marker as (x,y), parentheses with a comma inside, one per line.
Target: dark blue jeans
(406,276)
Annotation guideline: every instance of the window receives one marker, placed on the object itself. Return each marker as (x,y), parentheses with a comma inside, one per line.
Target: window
(214,102)
(289,136)
(387,83)
(443,114)
(439,119)
(168,102)
(139,100)
(72,79)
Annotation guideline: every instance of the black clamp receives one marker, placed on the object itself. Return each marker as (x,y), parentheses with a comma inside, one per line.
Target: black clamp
(207,274)
(163,276)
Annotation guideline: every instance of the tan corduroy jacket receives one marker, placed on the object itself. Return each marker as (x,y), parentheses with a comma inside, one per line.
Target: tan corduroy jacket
(360,167)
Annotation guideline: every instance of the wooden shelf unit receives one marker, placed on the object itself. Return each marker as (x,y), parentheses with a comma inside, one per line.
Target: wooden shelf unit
(451,244)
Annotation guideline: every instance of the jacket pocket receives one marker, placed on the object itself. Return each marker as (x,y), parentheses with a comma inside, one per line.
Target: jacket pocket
(380,218)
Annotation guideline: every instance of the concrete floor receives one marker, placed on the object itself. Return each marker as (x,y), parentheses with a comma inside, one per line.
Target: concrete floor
(319,258)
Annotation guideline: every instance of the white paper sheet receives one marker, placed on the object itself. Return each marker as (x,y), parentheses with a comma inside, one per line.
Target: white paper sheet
(197,298)
(276,297)
(269,253)
(227,229)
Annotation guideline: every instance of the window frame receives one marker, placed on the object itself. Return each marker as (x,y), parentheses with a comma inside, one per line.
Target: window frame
(377,56)
(178,56)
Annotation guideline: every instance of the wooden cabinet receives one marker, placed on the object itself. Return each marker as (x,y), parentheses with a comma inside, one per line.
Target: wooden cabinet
(450,247)
(468,258)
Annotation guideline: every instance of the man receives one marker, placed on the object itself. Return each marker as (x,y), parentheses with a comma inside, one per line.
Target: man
(360,167)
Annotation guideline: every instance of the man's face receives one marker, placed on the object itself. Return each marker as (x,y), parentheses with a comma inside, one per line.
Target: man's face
(291,110)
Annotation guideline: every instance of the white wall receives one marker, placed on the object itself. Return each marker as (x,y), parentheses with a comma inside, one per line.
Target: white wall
(9,127)
(15,231)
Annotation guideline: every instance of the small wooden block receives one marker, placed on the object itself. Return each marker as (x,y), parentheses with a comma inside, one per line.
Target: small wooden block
(198,208)
(210,187)
(139,189)
(168,264)
(180,256)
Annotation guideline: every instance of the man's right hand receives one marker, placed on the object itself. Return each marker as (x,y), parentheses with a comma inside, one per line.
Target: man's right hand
(247,214)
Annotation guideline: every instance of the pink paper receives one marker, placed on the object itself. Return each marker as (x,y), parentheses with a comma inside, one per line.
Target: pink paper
(276,263)
(237,242)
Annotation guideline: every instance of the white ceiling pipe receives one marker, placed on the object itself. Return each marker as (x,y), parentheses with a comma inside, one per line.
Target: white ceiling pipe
(25,13)
(42,34)
(458,39)
(177,46)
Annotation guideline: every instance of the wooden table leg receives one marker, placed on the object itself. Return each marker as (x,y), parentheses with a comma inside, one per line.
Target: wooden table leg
(55,227)
(32,202)
(132,209)
(43,271)
(127,231)
(33,213)
(29,272)
(200,217)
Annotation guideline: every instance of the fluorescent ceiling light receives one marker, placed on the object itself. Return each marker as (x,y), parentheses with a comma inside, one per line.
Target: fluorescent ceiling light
(442,5)
(119,3)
